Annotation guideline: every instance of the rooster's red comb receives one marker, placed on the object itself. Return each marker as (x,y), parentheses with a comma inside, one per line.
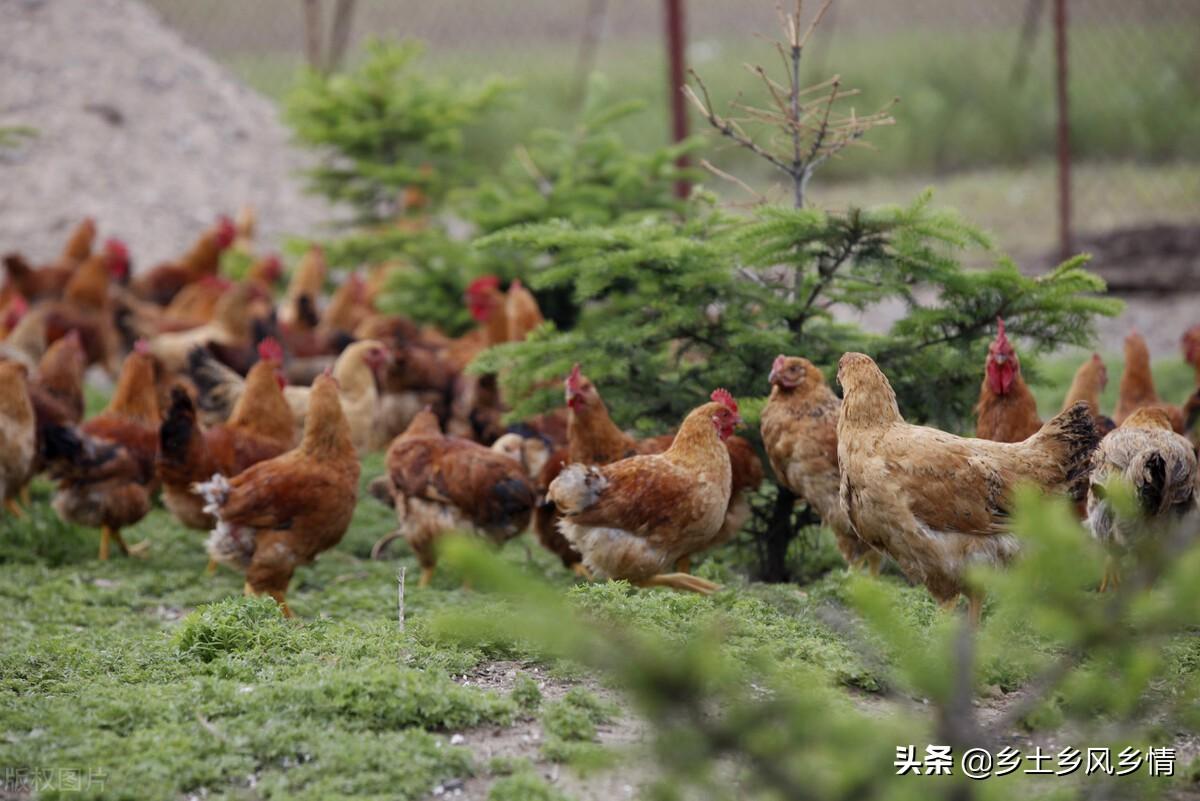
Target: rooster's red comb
(142,347)
(484,283)
(116,248)
(722,396)
(269,350)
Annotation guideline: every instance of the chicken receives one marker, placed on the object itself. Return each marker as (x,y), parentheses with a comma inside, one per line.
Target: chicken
(937,503)
(1090,380)
(17,434)
(1160,465)
(416,377)
(347,307)
(281,513)
(357,372)
(1190,343)
(308,280)
(56,392)
(487,305)
(1007,410)
(1137,385)
(799,431)
(521,312)
(439,484)
(162,283)
(259,428)
(49,281)
(531,452)
(232,324)
(105,468)
(245,227)
(86,307)
(25,341)
(593,439)
(636,518)
(266,271)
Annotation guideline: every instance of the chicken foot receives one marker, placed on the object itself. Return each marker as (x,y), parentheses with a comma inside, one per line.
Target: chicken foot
(109,535)
(681,581)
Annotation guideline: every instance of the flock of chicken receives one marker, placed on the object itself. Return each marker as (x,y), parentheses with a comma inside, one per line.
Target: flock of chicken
(251,417)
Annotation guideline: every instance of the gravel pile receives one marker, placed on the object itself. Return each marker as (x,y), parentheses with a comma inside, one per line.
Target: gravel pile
(136,128)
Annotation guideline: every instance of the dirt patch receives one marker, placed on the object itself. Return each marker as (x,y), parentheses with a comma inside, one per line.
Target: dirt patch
(137,128)
(523,740)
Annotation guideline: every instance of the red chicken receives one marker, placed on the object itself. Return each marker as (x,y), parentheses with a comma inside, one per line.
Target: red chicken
(636,518)
(439,483)
(259,428)
(281,513)
(105,468)
(160,284)
(1007,410)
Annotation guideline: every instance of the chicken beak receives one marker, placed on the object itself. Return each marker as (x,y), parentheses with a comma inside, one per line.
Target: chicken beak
(774,374)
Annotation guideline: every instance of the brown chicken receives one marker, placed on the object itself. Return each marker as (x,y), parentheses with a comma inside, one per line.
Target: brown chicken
(1089,381)
(1137,385)
(634,519)
(438,484)
(56,392)
(232,324)
(799,431)
(937,503)
(280,513)
(1190,343)
(357,371)
(49,280)
(105,468)
(18,434)
(487,305)
(521,312)
(1007,410)
(87,308)
(162,283)
(308,281)
(1160,465)
(348,307)
(259,428)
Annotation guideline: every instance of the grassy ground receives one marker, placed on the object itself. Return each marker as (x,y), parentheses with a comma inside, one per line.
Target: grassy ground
(158,681)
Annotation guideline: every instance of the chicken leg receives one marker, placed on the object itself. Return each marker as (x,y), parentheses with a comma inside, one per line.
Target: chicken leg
(581,571)
(13,508)
(426,576)
(137,549)
(1112,575)
(211,569)
(25,500)
(681,581)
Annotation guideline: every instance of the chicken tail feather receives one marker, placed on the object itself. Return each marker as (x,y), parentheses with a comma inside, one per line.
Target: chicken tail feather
(1069,439)
(577,488)
(219,387)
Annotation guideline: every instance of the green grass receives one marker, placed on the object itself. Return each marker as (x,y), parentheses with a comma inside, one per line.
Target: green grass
(166,682)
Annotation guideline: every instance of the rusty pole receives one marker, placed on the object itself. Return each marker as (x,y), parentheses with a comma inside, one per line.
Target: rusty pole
(1064,128)
(675,47)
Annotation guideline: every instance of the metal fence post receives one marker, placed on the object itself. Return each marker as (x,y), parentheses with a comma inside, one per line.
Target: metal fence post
(675,47)
(1064,128)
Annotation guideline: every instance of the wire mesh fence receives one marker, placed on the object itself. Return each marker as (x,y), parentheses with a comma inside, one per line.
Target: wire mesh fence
(976,83)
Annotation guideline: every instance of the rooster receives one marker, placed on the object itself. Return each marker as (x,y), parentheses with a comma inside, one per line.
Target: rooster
(17,434)
(1007,410)
(634,519)
(799,431)
(281,513)
(105,468)
(1161,467)
(937,503)
(439,483)
(1137,385)
(259,428)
